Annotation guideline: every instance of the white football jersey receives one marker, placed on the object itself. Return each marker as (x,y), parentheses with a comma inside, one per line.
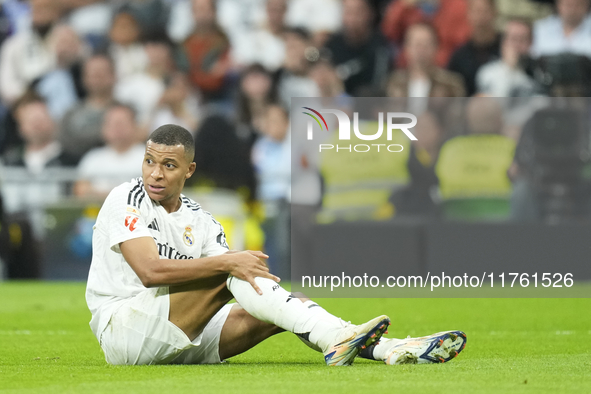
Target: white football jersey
(128,213)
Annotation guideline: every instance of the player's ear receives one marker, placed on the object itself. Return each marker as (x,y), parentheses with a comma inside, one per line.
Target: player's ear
(192,168)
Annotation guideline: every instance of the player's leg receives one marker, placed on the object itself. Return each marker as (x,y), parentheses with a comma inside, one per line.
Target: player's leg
(241,332)
(339,341)
(192,306)
(436,348)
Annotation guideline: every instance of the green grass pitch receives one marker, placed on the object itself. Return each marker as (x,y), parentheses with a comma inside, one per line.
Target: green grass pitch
(514,346)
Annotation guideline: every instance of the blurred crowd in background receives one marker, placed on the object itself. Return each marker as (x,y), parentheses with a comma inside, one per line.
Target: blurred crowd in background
(84,82)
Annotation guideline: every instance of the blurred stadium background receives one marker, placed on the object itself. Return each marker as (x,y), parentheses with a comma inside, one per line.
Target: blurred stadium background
(84,82)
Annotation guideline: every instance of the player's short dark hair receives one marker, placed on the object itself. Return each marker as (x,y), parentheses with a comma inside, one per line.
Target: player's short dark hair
(172,135)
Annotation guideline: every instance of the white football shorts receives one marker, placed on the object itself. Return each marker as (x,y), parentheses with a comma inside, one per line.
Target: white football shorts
(139,332)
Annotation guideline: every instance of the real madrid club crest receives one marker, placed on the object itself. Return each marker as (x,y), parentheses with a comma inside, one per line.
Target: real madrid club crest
(188,236)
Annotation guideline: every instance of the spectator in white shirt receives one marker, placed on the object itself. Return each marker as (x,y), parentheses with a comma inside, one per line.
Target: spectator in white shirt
(128,54)
(178,105)
(505,77)
(330,86)
(101,169)
(263,45)
(568,31)
(321,18)
(33,187)
(91,19)
(143,90)
(81,126)
(27,55)
(292,79)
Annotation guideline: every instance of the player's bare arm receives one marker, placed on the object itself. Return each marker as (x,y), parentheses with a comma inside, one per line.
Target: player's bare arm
(142,256)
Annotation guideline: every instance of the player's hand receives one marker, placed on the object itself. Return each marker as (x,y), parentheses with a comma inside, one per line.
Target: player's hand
(248,265)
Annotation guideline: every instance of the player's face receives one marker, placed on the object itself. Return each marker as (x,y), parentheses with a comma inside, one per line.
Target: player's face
(164,171)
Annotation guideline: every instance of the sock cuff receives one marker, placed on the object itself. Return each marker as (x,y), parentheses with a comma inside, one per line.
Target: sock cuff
(367,353)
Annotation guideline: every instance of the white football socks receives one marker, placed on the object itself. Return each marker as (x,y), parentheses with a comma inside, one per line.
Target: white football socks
(321,313)
(279,307)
